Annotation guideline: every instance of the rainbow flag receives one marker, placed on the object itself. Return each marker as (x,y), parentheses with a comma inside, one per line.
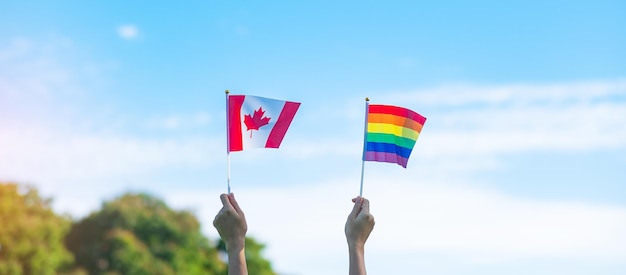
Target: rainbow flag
(390,133)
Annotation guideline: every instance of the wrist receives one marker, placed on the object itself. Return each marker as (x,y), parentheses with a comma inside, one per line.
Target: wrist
(356,246)
(356,254)
(235,245)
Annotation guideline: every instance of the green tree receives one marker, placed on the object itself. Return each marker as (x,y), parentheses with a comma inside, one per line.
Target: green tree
(31,234)
(130,256)
(140,234)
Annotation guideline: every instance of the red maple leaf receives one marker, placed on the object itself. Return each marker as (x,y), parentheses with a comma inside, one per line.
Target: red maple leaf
(256,121)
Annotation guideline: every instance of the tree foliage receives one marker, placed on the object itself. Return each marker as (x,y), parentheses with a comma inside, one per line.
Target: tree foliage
(133,234)
(31,234)
(140,234)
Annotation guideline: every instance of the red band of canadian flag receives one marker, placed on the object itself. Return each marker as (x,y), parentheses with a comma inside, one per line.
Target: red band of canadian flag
(258,122)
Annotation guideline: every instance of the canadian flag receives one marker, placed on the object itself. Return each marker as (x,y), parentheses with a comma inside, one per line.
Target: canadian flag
(257,122)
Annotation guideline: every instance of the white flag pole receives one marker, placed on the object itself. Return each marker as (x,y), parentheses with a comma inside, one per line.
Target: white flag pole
(227,144)
(367,103)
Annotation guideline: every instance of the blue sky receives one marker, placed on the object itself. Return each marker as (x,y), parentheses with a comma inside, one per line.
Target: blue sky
(519,168)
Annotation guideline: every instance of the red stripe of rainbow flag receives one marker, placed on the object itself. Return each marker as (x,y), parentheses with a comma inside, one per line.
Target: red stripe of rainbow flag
(391,133)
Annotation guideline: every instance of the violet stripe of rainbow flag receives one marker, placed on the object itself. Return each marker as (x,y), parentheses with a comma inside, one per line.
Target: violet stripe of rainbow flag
(391,133)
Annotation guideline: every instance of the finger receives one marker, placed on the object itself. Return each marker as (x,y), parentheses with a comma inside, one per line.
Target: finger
(234,203)
(365,206)
(357,207)
(226,201)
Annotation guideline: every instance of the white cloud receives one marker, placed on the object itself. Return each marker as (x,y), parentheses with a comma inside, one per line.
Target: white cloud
(28,71)
(493,132)
(128,32)
(178,121)
(491,121)
(490,132)
(303,224)
(32,80)
(80,170)
(80,157)
(17,47)
(514,94)
(486,226)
